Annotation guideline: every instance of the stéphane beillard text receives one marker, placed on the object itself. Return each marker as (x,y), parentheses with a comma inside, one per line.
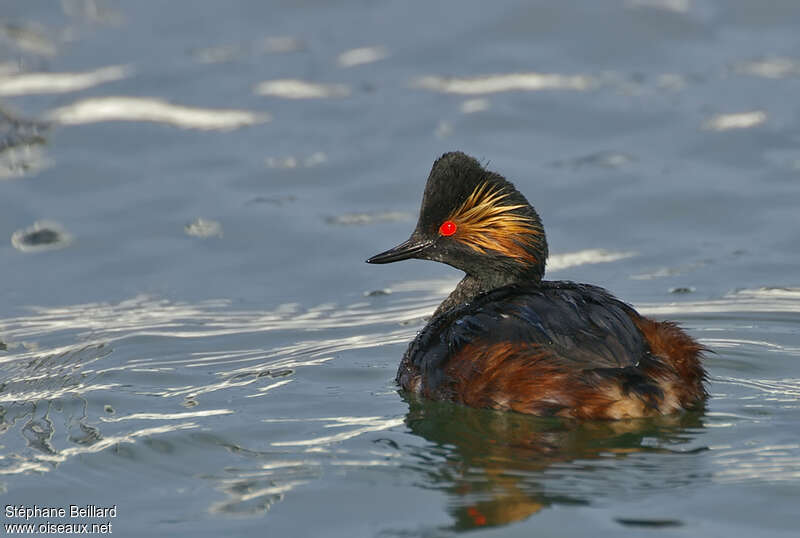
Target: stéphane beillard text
(73,510)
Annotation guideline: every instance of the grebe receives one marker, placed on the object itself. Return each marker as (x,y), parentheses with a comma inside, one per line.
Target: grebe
(507,339)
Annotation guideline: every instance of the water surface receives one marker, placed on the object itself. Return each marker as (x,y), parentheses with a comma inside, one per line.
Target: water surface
(187,197)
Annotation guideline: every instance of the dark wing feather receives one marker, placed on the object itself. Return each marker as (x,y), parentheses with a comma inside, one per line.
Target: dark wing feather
(585,325)
(581,327)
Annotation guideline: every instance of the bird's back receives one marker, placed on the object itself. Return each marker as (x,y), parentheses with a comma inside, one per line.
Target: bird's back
(556,348)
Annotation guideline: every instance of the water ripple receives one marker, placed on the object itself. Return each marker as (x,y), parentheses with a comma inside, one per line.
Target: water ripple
(32,38)
(675,6)
(783,390)
(741,301)
(42,235)
(505,83)
(169,416)
(740,120)
(38,461)
(364,425)
(226,53)
(150,109)
(300,89)
(360,56)
(62,357)
(778,67)
(149,316)
(33,83)
(771,463)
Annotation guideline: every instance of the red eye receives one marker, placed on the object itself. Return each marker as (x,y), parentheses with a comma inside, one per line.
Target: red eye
(448,227)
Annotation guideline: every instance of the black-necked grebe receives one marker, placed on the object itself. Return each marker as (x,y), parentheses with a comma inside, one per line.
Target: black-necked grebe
(506,339)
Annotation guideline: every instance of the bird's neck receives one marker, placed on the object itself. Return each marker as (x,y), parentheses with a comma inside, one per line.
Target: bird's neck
(472,286)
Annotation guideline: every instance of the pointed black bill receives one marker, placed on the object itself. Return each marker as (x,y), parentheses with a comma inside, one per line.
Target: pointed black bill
(403,251)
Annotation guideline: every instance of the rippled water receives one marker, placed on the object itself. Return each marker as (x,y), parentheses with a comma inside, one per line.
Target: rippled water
(187,196)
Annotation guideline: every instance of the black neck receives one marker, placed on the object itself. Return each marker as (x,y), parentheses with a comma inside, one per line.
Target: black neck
(471,286)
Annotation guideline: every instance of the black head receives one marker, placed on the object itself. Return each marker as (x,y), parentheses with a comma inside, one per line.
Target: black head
(475,221)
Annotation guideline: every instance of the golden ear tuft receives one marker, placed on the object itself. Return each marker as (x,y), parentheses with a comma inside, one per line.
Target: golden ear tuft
(485,222)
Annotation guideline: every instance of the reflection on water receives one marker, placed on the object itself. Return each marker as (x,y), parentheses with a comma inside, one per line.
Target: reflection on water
(677,6)
(72,387)
(471,106)
(657,132)
(300,89)
(227,53)
(499,468)
(362,425)
(97,11)
(770,68)
(362,55)
(253,490)
(505,83)
(43,235)
(777,463)
(741,120)
(99,109)
(290,161)
(663,83)
(203,228)
(26,159)
(21,142)
(361,219)
(32,83)
(604,159)
(754,300)
(31,38)
(59,359)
